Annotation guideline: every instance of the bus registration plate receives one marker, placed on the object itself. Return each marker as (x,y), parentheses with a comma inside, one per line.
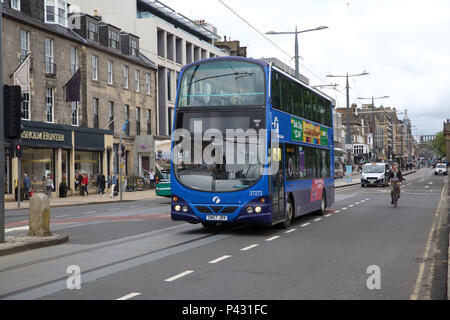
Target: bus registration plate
(216,218)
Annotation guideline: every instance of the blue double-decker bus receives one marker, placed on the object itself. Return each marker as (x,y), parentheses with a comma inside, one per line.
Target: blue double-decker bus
(251,144)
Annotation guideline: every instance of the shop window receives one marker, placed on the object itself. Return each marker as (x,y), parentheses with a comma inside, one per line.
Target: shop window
(88,163)
(38,164)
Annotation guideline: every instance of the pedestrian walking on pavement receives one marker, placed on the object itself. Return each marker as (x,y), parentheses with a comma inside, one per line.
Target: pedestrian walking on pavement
(85,184)
(112,181)
(152,179)
(26,186)
(102,184)
(48,185)
(99,182)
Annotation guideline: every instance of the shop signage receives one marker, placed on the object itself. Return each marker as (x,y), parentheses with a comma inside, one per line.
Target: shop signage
(304,131)
(46,136)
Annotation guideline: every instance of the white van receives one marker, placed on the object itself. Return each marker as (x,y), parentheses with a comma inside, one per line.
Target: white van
(374,174)
(441,168)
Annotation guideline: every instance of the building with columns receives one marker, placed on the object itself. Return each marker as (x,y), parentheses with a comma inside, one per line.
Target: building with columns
(167,37)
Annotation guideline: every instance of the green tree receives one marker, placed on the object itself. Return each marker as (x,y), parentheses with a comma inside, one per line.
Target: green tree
(439,143)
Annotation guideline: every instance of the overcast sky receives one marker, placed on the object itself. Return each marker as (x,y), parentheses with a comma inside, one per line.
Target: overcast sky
(403,44)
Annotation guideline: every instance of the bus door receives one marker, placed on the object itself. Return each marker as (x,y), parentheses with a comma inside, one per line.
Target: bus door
(277,183)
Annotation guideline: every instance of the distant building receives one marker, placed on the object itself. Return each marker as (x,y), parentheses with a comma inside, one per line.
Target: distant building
(232,47)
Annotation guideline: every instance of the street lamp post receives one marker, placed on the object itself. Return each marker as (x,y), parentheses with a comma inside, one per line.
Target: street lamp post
(349,161)
(296,32)
(375,145)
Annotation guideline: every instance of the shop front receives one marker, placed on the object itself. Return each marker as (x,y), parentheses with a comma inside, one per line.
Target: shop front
(90,155)
(46,154)
(59,152)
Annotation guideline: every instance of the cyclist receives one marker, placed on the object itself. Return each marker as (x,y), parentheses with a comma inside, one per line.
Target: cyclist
(396,179)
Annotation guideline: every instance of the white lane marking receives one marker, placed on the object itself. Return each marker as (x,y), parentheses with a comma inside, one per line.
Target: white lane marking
(133,207)
(91,212)
(318,219)
(17,229)
(185,273)
(114,209)
(250,247)
(367,199)
(289,231)
(129,296)
(430,183)
(344,208)
(273,238)
(363,201)
(220,259)
(357,203)
(327,215)
(305,225)
(426,187)
(63,216)
(338,211)
(351,206)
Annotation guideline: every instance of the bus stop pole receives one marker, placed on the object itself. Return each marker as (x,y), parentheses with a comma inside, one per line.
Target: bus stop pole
(2,141)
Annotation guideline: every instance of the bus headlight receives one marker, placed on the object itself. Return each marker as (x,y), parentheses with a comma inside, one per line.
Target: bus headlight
(249,210)
(185,209)
(258,209)
(177,208)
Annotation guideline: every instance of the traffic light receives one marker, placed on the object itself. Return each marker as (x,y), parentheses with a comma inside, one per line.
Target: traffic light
(12,105)
(19,151)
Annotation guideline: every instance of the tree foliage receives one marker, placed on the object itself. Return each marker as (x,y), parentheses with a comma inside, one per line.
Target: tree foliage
(439,143)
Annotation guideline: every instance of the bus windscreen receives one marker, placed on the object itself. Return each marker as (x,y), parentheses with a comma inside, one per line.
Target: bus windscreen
(223,83)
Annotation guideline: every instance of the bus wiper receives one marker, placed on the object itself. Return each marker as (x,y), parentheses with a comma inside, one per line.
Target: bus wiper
(241,74)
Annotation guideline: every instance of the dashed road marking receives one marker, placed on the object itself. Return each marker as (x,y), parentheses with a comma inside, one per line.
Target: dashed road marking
(426,187)
(351,206)
(134,207)
(327,215)
(305,225)
(289,231)
(273,238)
(220,259)
(63,216)
(357,203)
(338,211)
(17,229)
(362,201)
(250,247)
(318,219)
(344,208)
(178,276)
(129,296)
(91,212)
(114,209)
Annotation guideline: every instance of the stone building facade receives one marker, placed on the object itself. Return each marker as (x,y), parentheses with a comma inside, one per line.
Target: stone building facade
(63,138)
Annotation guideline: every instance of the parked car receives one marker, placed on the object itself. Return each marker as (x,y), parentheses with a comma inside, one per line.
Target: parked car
(163,184)
(374,174)
(441,168)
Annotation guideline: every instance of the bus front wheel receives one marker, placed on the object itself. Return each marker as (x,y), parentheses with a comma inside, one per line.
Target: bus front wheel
(289,215)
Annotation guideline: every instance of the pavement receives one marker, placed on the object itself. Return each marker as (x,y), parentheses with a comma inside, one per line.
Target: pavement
(92,198)
(133,250)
